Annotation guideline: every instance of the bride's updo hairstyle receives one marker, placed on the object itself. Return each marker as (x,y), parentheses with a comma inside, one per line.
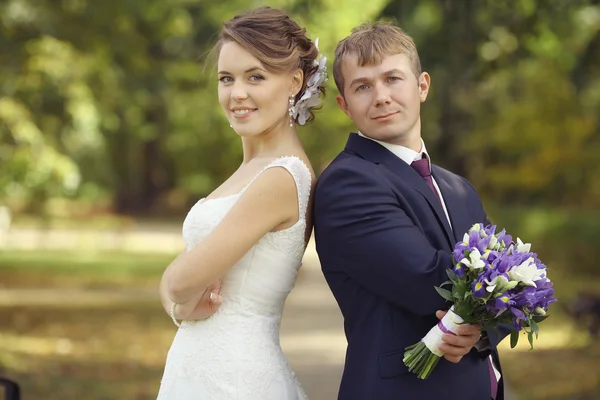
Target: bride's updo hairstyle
(278,42)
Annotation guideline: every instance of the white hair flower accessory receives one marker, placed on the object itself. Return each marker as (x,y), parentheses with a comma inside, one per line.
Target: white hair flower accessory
(310,98)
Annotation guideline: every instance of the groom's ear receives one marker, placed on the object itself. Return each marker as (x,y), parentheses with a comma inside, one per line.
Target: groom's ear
(424,85)
(342,103)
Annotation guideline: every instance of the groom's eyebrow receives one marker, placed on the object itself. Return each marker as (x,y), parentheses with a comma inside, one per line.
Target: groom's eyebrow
(394,71)
(364,79)
(359,80)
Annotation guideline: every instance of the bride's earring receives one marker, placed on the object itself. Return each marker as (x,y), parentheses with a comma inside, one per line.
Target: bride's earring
(291,110)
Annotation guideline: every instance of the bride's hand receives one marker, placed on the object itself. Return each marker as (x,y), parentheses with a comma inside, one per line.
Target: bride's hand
(209,302)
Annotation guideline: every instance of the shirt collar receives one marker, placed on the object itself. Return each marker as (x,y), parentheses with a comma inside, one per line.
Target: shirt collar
(404,153)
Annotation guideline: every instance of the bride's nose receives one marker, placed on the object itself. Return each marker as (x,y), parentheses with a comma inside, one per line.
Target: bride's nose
(238,92)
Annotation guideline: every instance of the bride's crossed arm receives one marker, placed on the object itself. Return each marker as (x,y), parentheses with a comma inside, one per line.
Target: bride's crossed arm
(270,203)
(201,307)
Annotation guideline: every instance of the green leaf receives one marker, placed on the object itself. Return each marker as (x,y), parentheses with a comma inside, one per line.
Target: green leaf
(530,338)
(539,318)
(500,313)
(451,275)
(446,294)
(514,339)
(459,293)
(534,327)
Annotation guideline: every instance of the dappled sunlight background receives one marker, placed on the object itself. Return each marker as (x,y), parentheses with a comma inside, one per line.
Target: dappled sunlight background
(110,129)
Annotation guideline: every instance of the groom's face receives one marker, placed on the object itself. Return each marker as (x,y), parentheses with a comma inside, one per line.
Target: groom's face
(384,100)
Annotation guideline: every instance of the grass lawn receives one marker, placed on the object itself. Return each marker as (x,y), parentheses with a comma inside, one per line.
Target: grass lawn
(80,270)
(111,343)
(84,347)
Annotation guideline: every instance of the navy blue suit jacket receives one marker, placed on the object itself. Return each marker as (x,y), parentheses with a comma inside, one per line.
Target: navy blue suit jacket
(384,242)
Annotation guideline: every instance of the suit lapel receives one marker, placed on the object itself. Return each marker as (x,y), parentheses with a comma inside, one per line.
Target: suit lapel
(378,154)
(455,204)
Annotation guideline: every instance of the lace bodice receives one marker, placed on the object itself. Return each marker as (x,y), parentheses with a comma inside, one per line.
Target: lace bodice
(235,354)
(206,214)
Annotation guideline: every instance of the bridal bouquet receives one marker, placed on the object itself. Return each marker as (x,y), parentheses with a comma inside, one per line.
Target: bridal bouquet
(494,281)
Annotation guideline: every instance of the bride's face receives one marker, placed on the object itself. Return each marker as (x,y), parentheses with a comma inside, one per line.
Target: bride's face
(255,100)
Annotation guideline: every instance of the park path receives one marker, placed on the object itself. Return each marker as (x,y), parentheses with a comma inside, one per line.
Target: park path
(311,333)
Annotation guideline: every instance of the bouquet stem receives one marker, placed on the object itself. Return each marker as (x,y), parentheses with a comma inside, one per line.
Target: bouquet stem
(422,357)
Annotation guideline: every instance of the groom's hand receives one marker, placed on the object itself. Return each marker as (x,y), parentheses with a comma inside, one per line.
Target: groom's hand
(456,346)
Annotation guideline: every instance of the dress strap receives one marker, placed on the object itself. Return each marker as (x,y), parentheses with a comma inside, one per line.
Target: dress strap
(302,177)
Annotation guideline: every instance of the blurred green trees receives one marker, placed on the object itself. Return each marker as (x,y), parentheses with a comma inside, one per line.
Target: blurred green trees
(115,102)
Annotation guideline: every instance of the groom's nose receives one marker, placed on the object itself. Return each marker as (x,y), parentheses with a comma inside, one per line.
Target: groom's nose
(382,94)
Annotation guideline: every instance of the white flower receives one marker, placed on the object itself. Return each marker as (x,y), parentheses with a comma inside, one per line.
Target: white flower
(527,272)
(523,247)
(466,239)
(493,242)
(500,280)
(540,311)
(310,98)
(475,260)
(510,249)
(510,285)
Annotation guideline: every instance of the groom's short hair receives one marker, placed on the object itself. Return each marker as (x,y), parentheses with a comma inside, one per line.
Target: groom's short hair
(371,43)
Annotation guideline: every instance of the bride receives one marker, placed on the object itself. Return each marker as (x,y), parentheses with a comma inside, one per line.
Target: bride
(245,241)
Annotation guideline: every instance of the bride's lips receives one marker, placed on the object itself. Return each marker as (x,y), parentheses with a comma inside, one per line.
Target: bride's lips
(242,112)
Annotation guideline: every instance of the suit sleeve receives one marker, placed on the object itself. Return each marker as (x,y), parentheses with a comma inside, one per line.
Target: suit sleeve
(361,230)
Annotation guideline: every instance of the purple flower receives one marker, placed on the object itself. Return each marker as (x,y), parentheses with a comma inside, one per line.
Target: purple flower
(517,313)
(519,258)
(483,243)
(517,323)
(459,270)
(472,239)
(502,302)
(544,283)
(544,295)
(492,256)
(495,280)
(526,297)
(490,230)
(504,262)
(459,252)
(489,272)
(504,238)
(545,299)
(478,288)
(507,275)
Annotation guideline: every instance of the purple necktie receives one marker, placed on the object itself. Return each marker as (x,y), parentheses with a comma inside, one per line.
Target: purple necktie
(422,168)
(493,382)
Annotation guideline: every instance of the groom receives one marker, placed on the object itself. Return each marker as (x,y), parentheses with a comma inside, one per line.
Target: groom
(386,221)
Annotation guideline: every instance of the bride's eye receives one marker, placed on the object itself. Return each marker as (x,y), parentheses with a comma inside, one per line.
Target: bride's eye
(256,78)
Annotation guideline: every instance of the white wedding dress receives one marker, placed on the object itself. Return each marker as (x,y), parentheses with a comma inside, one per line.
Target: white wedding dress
(235,354)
